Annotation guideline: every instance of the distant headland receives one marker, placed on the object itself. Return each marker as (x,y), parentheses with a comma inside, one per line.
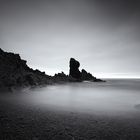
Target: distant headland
(14,73)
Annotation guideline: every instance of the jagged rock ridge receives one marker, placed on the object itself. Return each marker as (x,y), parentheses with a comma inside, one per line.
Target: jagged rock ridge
(14,72)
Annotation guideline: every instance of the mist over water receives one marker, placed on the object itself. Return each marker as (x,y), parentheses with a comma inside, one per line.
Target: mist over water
(111,97)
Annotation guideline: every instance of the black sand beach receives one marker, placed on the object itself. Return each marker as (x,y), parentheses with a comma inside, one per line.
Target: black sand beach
(22,121)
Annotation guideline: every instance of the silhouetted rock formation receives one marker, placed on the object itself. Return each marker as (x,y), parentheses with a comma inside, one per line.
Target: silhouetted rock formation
(86,75)
(14,72)
(60,77)
(80,76)
(74,69)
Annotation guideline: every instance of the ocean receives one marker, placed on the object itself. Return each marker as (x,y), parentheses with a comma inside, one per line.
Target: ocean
(113,97)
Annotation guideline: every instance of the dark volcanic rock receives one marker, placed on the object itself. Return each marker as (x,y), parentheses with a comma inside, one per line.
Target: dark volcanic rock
(86,75)
(74,69)
(60,77)
(14,72)
(80,76)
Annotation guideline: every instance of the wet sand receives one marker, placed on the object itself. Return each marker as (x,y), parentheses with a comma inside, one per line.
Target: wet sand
(20,121)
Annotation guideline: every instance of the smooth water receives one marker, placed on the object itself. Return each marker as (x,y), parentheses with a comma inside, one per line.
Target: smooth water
(113,96)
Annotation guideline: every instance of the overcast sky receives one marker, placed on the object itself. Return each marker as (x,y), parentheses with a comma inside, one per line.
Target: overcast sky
(104,35)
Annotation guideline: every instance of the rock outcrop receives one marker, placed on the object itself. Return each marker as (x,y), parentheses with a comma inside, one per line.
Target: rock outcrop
(14,72)
(80,76)
(86,75)
(74,69)
(60,77)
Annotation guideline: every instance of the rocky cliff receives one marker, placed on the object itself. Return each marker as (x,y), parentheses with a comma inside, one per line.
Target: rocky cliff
(14,72)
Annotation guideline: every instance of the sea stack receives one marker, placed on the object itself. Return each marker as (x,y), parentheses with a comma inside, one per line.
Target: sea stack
(78,75)
(74,69)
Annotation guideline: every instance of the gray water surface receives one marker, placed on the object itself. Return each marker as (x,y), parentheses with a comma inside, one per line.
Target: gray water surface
(113,96)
